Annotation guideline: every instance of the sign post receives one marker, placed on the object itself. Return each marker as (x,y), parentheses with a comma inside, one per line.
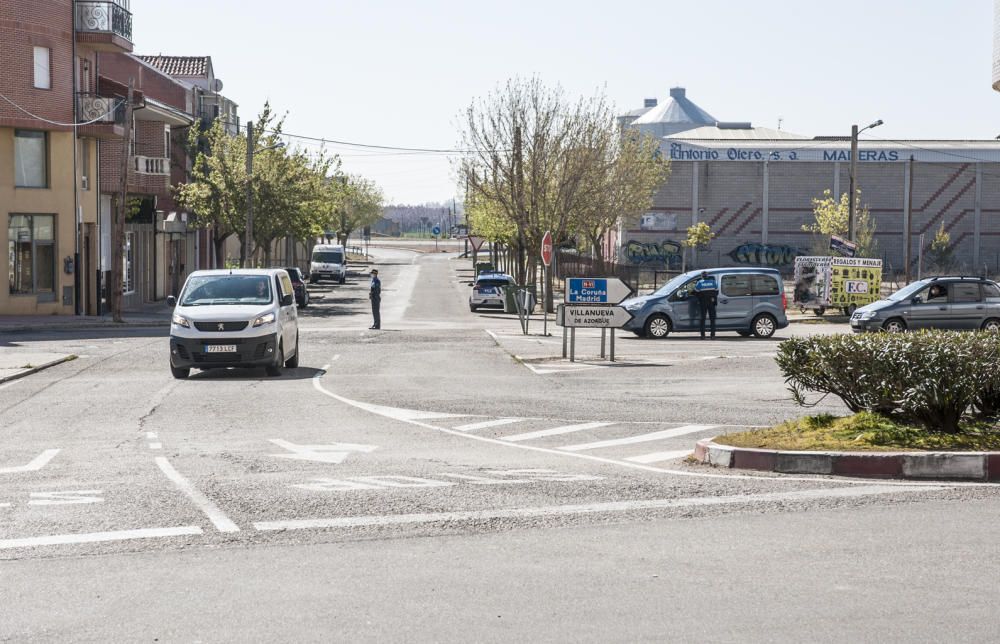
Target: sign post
(593,303)
(546,263)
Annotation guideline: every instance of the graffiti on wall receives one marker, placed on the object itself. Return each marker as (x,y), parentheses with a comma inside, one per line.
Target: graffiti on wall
(764,254)
(666,253)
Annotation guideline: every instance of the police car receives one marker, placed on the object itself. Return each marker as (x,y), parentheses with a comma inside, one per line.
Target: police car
(487,292)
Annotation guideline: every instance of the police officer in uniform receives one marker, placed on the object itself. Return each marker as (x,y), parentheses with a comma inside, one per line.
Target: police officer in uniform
(375,295)
(706,289)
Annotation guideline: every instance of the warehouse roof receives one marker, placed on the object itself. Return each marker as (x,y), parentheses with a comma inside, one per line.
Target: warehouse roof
(676,109)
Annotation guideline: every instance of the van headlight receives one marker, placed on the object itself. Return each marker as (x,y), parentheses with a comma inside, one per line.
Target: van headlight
(632,306)
(180,320)
(867,315)
(264,319)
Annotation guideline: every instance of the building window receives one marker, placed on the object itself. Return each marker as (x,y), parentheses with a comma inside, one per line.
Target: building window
(166,141)
(31,254)
(128,265)
(43,77)
(85,164)
(30,159)
(85,75)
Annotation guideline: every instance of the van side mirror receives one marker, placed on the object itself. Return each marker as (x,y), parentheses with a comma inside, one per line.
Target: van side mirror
(287,300)
(171,300)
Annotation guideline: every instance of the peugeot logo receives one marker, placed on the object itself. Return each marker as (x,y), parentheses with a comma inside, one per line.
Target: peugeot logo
(222,326)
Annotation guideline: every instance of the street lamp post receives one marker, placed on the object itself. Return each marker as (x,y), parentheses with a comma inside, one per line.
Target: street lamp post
(248,233)
(854,173)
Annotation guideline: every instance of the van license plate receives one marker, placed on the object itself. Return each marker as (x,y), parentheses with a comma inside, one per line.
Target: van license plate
(220,348)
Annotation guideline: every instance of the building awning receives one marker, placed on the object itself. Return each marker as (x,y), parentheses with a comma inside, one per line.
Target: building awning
(109,87)
(154,110)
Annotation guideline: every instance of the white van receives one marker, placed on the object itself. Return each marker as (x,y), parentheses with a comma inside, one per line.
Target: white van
(328,262)
(234,318)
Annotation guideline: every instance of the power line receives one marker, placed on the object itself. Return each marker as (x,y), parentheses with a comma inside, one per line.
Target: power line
(57,123)
(371,146)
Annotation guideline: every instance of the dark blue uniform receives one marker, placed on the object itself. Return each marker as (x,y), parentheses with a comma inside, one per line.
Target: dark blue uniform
(375,295)
(707,292)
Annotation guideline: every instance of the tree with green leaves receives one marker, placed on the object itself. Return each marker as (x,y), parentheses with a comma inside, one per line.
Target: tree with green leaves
(699,236)
(831,218)
(941,254)
(356,202)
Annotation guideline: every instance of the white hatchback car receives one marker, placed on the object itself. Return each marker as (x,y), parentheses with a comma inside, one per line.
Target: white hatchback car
(234,318)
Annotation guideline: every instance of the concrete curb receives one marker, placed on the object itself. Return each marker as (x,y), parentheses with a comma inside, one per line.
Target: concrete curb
(84,326)
(967,466)
(41,367)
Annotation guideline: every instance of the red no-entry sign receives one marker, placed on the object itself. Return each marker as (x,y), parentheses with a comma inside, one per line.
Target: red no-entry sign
(547,249)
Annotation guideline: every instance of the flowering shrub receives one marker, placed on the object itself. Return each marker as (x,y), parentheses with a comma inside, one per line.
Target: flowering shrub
(929,378)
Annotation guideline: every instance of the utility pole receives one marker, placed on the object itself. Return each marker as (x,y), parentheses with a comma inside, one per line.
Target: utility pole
(519,202)
(118,231)
(854,174)
(248,233)
(909,221)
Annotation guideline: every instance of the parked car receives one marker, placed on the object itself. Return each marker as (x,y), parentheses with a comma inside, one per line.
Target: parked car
(969,303)
(328,262)
(299,284)
(234,318)
(751,302)
(487,291)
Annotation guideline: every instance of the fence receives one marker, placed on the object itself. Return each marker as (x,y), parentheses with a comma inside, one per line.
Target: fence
(637,276)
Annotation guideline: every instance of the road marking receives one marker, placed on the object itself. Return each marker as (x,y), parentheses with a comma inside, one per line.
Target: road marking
(95,537)
(156,446)
(555,431)
(151,435)
(550,367)
(36,463)
(357,404)
(569,510)
(659,457)
(488,423)
(69,497)
(641,438)
(218,518)
(332,453)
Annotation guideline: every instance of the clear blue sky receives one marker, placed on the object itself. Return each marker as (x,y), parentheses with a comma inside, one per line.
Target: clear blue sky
(400,73)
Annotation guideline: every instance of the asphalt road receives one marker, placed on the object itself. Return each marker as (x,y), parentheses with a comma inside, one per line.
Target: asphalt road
(447,479)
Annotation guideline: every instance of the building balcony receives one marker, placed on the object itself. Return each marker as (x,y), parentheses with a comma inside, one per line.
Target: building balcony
(104,25)
(104,116)
(158,166)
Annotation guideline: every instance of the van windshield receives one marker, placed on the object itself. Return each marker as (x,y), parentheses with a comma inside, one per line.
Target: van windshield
(328,257)
(209,290)
(907,291)
(673,284)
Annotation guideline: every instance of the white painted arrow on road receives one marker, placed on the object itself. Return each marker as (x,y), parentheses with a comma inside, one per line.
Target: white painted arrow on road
(332,453)
(36,463)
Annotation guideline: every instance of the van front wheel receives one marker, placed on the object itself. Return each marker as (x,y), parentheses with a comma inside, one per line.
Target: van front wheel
(657,327)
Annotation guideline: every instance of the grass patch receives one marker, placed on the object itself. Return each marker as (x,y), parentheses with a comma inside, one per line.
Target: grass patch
(864,431)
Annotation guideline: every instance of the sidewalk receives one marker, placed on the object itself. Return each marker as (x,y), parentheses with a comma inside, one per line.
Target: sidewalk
(16,364)
(151,315)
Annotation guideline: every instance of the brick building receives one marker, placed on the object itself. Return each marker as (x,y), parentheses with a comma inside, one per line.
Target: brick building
(755,186)
(49,200)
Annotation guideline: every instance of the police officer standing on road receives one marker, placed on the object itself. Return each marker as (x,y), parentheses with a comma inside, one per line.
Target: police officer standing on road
(707,291)
(375,295)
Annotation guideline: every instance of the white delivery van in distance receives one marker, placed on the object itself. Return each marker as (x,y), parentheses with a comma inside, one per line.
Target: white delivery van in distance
(328,262)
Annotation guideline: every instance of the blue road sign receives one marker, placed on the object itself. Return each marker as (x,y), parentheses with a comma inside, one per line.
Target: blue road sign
(436,230)
(590,290)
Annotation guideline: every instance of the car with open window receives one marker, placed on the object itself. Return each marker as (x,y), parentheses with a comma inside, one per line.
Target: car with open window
(234,318)
(947,302)
(751,301)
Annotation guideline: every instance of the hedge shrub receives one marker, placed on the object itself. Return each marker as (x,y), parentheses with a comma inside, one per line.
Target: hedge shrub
(929,378)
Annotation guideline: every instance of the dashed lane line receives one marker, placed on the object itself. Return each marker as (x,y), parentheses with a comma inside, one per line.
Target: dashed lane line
(96,537)
(36,463)
(590,508)
(218,518)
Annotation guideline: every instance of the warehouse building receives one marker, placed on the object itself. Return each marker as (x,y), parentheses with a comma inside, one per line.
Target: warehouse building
(754,186)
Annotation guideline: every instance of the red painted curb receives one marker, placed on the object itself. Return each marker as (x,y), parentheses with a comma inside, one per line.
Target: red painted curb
(864,465)
(993,467)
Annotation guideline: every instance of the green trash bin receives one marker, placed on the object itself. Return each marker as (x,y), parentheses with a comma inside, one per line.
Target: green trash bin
(510,292)
(484,267)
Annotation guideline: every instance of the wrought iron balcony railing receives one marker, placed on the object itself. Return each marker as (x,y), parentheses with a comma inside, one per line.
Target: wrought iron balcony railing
(111,17)
(100,109)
